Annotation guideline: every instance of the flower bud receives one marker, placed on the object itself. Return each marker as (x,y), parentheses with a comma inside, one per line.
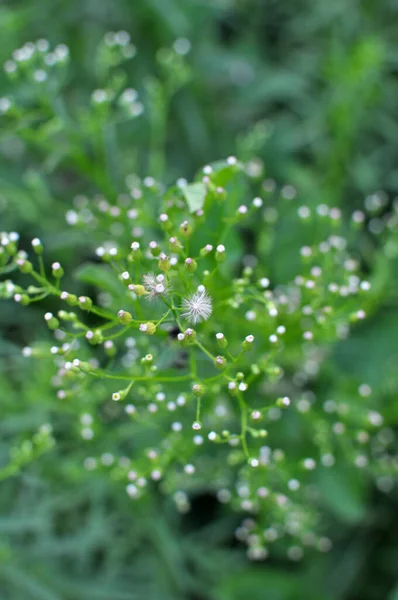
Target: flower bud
(125,277)
(220,362)
(221,340)
(85,303)
(148,328)
(154,248)
(37,246)
(94,337)
(191,265)
(206,250)
(198,389)
(70,299)
(164,262)
(220,253)
(125,317)
(24,265)
(135,253)
(248,342)
(138,289)
(283,402)
(57,270)
(165,221)
(51,321)
(109,348)
(186,229)
(190,335)
(175,244)
(22,299)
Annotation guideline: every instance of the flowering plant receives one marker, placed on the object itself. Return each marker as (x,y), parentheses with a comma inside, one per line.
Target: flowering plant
(206,366)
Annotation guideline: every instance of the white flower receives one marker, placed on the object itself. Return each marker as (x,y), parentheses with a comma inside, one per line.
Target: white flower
(197,307)
(155,285)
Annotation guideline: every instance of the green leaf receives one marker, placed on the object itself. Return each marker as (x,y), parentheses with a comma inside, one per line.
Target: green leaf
(195,195)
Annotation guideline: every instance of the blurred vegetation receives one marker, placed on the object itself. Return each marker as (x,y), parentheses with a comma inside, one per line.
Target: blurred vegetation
(311,89)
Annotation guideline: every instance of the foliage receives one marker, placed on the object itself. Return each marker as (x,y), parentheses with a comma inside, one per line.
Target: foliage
(287,441)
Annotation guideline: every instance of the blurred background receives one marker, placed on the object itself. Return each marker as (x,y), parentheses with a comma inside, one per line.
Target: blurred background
(317,83)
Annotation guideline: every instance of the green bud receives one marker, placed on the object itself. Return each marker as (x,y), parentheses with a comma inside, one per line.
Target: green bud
(206,250)
(85,303)
(51,321)
(94,337)
(37,246)
(57,270)
(70,299)
(198,389)
(221,340)
(175,244)
(186,229)
(110,349)
(191,265)
(164,262)
(22,299)
(220,362)
(136,253)
(247,343)
(190,335)
(148,328)
(154,249)
(138,289)
(124,317)
(220,253)
(24,265)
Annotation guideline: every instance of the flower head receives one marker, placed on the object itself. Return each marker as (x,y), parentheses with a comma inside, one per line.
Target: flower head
(197,307)
(155,285)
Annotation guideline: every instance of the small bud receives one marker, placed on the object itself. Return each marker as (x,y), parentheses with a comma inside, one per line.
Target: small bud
(85,303)
(148,328)
(248,342)
(154,248)
(190,335)
(125,277)
(24,265)
(70,299)
(165,221)
(22,299)
(191,265)
(175,244)
(94,337)
(198,389)
(57,270)
(109,348)
(138,289)
(221,340)
(164,262)
(220,362)
(37,246)
(125,317)
(186,229)
(220,253)
(206,250)
(283,402)
(241,211)
(136,253)
(51,321)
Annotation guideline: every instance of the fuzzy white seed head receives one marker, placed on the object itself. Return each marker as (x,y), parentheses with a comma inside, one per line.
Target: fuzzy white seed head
(197,307)
(155,285)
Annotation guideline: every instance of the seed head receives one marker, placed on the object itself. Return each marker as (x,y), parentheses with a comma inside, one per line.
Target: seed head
(197,307)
